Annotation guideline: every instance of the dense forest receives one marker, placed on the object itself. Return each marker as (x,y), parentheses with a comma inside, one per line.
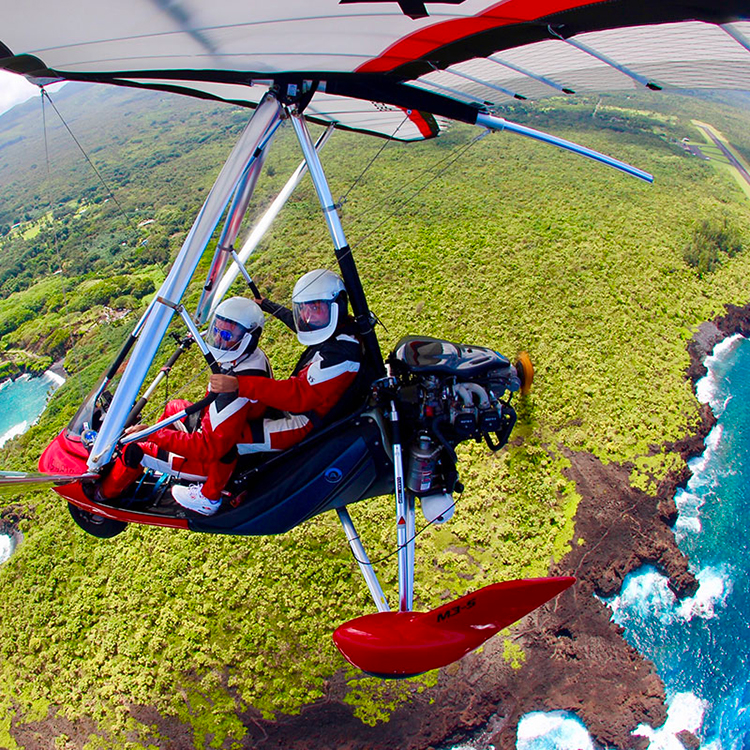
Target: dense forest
(495,241)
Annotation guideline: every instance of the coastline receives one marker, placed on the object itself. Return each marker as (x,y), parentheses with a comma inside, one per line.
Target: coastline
(576,658)
(56,371)
(55,376)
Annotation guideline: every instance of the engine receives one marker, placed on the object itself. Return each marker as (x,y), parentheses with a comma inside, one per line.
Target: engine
(449,393)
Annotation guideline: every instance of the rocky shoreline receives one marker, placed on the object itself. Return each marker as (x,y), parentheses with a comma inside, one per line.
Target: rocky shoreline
(17,369)
(576,657)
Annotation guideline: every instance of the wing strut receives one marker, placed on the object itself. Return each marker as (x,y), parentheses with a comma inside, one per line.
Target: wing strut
(405,521)
(500,123)
(363,316)
(225,245)
(363,560)
(260,130)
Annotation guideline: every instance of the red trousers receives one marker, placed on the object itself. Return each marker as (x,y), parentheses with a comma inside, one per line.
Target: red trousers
(199,465)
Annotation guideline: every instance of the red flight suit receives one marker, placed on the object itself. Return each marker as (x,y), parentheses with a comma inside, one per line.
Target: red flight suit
(321,377)
(204,455)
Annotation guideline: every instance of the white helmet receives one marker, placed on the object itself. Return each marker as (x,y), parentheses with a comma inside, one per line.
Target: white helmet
(318,303)
(234,329)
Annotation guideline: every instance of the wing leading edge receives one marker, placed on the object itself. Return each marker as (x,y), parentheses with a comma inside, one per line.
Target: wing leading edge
(386,66)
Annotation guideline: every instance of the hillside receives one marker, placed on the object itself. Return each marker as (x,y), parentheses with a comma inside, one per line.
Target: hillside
(169,639)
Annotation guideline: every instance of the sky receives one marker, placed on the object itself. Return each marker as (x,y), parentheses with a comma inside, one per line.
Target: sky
(14,89)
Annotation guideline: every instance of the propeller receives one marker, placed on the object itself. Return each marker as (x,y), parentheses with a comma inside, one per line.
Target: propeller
(526,372)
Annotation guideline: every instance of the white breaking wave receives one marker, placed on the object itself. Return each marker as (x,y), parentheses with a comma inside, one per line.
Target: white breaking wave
(714,587)
(7,545)
(709,388)
(685,712)
(553,730)
(58,380)
(17,429)
(689,501)
(688,518)
(647,593)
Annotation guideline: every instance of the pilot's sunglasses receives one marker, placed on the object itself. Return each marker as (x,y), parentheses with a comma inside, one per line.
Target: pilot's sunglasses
(223,334)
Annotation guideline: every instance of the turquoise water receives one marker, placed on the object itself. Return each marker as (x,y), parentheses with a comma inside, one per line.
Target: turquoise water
(701,645)
(22,401)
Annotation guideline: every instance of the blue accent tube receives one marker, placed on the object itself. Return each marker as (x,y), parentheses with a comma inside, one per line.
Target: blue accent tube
(500,123)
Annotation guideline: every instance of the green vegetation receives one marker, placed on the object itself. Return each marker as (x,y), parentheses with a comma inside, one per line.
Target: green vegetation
(711,241)
(519,247)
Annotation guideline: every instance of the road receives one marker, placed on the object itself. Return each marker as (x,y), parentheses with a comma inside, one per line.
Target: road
(727,153)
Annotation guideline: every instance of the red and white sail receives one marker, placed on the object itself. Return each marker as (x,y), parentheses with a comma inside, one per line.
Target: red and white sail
(385,66)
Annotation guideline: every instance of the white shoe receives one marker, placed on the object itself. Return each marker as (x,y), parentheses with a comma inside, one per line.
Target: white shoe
(193,498)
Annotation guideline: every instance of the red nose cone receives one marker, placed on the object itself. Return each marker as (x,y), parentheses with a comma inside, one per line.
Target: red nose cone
(63,456)
(398,644)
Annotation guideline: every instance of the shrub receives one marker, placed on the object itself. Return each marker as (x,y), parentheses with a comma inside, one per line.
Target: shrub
(711,239)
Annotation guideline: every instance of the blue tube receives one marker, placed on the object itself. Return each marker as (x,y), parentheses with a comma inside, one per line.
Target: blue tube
(500,123)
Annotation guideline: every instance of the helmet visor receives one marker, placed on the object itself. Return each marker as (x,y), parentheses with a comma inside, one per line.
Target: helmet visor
(314,315)
(224,334)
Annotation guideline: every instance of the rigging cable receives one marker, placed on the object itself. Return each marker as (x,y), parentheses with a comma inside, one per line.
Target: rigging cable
(449,161)
(58,253)
(373,563)
(86,156)
(386,141)
(446,162)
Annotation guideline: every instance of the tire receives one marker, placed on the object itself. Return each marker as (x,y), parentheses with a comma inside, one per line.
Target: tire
(98,526)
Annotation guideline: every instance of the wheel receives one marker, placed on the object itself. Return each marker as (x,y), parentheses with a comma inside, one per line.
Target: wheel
(98,526)
(525,371)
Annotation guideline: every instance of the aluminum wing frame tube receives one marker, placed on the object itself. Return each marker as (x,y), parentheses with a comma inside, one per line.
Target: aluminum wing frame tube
(344,255)
(229,234)
(259,131)
(262,226)
(365,566)
(499,123)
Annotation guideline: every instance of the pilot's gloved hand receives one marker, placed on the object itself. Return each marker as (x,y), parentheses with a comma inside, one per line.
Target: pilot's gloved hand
(220,383)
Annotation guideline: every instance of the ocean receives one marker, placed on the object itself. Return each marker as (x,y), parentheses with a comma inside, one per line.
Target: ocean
(700,645)
(21,403)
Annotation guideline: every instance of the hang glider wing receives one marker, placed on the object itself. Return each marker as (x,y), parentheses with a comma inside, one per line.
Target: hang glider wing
(381,66)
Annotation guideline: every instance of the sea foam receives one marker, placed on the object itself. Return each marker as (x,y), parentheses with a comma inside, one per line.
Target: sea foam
(690,500)
(685,712)
(553,730)
(646,593)
(709,388)
(17,429)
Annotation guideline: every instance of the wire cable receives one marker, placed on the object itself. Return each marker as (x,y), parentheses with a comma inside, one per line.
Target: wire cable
(372,563)
(387,141)
(58,253)
(91,164)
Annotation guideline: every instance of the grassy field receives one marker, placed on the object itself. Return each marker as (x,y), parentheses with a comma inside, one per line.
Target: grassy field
(518,246)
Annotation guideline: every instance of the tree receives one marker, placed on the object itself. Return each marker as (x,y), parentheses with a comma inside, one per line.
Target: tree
(711,239)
